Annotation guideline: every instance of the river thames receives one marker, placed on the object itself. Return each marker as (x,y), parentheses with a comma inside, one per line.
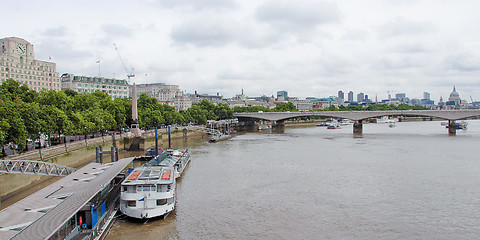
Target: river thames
(413,181)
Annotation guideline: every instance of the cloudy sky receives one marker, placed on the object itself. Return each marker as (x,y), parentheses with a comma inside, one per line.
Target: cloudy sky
(307,47)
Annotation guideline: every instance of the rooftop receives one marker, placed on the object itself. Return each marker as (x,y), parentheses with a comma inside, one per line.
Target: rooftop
(41,214)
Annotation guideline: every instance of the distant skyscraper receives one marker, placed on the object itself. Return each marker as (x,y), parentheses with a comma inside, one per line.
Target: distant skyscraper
(341,95)
(350,96)
(360,97)
(282,95)
(400,96)
(426,95)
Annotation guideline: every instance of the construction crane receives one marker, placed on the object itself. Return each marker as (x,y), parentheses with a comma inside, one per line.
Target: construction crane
(129,74)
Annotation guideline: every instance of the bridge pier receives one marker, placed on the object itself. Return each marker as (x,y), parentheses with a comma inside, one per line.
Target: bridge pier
(357,126)
(278,126)
(452,128)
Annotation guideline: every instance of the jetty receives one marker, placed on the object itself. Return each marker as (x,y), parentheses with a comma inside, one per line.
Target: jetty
(81,205)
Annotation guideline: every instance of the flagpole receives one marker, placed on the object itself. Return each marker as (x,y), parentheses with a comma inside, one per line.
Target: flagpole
(99,68)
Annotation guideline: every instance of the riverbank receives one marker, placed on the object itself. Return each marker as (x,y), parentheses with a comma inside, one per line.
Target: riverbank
(14,187)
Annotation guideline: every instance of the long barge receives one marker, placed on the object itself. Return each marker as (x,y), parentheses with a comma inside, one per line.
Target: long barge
(81,205)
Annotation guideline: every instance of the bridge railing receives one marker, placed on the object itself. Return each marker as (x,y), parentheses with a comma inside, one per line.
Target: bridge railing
(34,167)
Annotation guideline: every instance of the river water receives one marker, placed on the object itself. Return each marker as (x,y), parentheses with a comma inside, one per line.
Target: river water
(413,181)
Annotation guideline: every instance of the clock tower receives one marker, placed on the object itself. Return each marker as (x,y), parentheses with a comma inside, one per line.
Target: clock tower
(17,49)
(18,62)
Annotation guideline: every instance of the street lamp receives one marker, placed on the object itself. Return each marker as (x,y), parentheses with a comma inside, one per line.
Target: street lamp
(85,135)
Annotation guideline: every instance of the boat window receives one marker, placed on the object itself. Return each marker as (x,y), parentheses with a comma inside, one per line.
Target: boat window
(161,202)
(146,188)
(131,189)
(124,189)
(145,174)
(132,203)
(170,200)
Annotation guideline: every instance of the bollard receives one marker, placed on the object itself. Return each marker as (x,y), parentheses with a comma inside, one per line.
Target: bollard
(99,155)
(169,138)
(114,154)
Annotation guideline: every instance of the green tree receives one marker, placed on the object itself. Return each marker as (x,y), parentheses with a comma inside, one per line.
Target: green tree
(285,107)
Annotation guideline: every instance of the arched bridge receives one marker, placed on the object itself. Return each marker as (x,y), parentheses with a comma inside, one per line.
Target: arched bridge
(34,167)
(359,116)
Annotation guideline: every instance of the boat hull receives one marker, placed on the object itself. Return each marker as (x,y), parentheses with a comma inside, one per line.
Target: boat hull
(142,213)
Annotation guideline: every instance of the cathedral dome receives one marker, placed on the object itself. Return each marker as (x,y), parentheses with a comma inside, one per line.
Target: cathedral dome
(454,96)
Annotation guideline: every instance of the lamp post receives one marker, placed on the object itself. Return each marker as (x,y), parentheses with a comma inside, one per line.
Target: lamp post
(39,145)
(65,140)
(102,134)
(86,136)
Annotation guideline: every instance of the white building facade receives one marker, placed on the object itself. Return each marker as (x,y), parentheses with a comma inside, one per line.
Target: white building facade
(17,61)
(165,94)
(117,88)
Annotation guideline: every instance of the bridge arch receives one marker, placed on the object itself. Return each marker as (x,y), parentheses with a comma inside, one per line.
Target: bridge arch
(359,116)
(362,115)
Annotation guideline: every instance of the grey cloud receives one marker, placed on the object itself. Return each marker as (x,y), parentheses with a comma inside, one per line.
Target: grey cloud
(402,27)
(463,62)
(355,35)
(203,33)
(116,30)
(299,15)
(113,32)
(198,4)
(411,48)
(403,2)
(59,50)
(55,32)
(399,63)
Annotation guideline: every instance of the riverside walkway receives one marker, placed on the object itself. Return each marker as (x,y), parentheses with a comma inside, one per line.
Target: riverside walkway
(359,116)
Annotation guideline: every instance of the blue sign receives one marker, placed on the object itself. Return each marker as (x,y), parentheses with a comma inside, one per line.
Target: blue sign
(94,216)
(156,134)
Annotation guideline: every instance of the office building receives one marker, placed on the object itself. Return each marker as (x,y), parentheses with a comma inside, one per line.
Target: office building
(165,94)
(17,61)
(282,95)
(341,95)
(360,97)
(116,88)
(350,96)
(400,97)
(426,95)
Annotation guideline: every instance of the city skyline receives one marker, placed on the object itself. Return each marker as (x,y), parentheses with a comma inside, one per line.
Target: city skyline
(309,48)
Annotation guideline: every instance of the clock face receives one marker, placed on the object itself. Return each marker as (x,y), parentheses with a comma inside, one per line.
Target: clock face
(21,48)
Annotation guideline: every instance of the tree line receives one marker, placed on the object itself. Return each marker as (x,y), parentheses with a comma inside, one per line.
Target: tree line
(26,114)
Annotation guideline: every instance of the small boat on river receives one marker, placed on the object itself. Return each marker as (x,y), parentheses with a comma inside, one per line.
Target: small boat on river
(220,137)
(458,124)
